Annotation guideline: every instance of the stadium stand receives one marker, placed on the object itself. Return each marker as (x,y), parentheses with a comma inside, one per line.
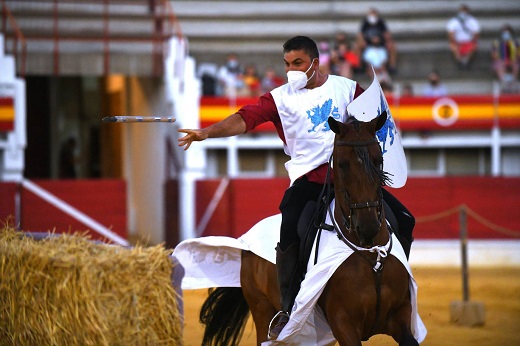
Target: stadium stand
(256,31)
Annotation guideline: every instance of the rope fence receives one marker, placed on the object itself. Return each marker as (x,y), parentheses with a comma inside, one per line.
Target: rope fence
(464,208)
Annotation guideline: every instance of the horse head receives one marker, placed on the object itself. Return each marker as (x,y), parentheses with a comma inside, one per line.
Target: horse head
(358,177)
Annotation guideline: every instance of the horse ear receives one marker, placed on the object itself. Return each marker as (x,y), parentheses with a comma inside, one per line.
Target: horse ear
(333,124)
(381,120)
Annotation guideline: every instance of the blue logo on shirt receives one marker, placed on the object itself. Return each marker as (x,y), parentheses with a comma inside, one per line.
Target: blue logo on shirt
(388,128)
(319,115)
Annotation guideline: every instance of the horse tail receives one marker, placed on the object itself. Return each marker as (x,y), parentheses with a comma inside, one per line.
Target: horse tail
(225,313)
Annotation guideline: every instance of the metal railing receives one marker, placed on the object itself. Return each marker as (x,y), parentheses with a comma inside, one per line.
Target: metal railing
(19,43)
(160,12)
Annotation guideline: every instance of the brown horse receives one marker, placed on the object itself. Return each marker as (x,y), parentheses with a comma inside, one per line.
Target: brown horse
(361,299)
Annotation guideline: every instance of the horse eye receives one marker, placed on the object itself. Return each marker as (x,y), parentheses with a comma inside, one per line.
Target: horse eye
(344,165)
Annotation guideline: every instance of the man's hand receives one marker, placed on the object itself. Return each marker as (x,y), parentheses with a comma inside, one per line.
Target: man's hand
(231,126)
(191,135)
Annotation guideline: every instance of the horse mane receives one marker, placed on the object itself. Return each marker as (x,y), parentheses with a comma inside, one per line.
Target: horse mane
(372,170)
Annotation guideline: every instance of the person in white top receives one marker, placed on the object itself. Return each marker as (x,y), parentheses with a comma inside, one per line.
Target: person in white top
(299,111)
(463,33)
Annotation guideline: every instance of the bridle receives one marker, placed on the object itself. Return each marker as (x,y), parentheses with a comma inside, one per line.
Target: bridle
(347,217)
(381,250)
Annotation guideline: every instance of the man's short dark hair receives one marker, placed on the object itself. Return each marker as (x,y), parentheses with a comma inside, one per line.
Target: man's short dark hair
(302,43)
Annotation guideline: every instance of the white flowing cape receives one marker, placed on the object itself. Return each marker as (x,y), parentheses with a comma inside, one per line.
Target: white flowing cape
(215,262)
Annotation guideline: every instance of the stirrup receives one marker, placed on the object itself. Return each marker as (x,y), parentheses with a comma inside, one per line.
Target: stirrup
(279,320)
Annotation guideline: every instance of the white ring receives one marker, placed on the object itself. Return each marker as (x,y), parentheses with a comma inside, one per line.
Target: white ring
(445,111)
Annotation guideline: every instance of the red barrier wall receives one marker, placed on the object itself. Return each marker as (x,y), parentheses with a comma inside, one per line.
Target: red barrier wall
(102,200)
(493,204)
(7,201)
(245,202)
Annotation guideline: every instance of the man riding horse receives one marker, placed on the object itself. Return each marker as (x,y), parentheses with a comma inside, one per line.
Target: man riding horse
(299,110)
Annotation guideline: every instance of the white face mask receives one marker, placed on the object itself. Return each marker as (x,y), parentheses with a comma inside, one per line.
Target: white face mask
(506,36)
(372,19)
(298,79)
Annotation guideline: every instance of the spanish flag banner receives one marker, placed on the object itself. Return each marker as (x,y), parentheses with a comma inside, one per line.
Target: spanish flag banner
(457,112)
(6,114)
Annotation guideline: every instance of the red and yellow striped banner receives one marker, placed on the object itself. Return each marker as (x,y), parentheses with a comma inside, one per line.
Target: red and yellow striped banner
(457,112)
(410,113)
(6,114)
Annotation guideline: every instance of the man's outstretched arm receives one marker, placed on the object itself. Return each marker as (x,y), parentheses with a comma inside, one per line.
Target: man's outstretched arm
(230,126)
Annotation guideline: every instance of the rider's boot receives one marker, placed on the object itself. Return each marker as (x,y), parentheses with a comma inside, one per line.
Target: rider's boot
(405,221)
(289,282)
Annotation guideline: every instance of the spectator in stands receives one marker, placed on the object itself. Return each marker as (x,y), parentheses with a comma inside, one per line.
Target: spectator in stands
(407,90)
(271,80)
(376,57)
(349,49)
(505,53)
(388,89)
(230,76)
(463,33)
(251,81)
(340,37)
(344,60)
(435,87)
(325,56)
(207,72)
(376,44)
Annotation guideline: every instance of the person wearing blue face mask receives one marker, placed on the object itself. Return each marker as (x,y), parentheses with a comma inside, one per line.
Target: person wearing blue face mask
(299,111)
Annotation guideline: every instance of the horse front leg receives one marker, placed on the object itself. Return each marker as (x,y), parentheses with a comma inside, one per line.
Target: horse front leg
(400,325)
(344,332)
(340,322)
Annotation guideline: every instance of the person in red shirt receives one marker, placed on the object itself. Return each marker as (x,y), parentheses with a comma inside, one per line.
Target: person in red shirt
(299,111)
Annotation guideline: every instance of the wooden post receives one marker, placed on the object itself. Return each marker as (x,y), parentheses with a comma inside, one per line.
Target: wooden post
(464,252)
(465,312)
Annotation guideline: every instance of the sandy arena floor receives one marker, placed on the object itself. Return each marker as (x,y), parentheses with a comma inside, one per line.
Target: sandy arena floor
(497,288)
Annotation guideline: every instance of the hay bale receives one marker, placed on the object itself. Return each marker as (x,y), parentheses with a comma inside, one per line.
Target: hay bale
(68,290)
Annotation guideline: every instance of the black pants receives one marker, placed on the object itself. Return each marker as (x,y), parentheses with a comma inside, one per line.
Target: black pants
(302,191)
(291,206)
